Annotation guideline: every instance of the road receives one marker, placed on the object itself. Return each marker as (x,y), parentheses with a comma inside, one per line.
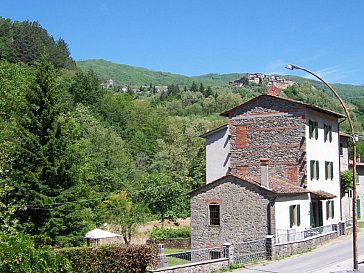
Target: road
(334,256)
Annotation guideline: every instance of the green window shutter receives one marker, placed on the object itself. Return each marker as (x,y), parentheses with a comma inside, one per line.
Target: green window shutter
(330,133)
(298,215)
(290,216)
(358,212)
(312,220)
(332,169)
(310,124)
(316,130)
(327,209)
(326,170)
(332,209)
(311,168)
(325,132)
(317,170)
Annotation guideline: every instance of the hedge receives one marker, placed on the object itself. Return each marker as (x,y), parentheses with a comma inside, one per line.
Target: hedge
(167,233)
(19,255)
(107,259)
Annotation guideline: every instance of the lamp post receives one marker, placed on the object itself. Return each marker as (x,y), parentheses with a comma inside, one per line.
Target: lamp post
(355,239)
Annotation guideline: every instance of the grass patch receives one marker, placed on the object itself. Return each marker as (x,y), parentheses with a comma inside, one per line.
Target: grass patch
(172,261)
(361,224)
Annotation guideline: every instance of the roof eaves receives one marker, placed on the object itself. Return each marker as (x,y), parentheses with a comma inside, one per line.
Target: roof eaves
(213,131)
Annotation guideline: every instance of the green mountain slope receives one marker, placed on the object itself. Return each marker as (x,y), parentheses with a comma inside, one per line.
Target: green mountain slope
(348,92)
(135,76)
(129,75)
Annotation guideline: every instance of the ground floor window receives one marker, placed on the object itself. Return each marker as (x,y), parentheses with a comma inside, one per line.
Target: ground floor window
(330,209)
(214,254)
(294,215)
(214,214)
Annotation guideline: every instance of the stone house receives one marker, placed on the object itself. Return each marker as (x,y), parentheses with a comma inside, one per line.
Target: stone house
(274,167)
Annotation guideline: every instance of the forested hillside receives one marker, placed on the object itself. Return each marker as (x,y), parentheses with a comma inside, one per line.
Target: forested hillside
(136,76)
(74,156)
(27,41)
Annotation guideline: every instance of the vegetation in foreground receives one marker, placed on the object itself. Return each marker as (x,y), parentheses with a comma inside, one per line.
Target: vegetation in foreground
(74,156)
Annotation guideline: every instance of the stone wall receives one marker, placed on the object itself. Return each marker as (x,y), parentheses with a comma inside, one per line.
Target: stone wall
(246,213)
(206,267)
(288,249)
(269,128)
(172,243)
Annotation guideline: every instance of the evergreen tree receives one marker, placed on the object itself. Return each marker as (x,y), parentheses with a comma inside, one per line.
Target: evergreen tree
(202,88)
(194,87)
(36,145)
(208,92)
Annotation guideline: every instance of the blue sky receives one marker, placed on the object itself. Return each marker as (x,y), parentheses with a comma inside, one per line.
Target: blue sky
(194,37)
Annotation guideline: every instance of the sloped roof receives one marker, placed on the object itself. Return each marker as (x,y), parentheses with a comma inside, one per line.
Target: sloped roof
(100,234)
(213,131)
(310,106)
(322,195)
(277,185)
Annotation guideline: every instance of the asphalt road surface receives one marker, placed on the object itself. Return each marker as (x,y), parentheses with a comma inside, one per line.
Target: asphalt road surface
(335,256)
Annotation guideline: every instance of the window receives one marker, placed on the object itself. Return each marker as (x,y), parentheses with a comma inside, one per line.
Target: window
(329,170)
(214,254)
(341,151)
(314,169)
(330,209)
(214,214)
(313,129)
(294,215)
(327,133)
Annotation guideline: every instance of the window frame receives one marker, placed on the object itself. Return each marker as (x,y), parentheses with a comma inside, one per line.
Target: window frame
(330,209)
(329,170)
(313,129)
(214,214)
(327,133)
(294,215)
(315,169)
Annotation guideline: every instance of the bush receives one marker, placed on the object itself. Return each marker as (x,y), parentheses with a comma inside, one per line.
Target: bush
(107,259)
(18,255)
(167,233)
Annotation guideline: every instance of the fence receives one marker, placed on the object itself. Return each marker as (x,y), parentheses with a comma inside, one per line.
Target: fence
(186,257)
(251,251)
(291,235)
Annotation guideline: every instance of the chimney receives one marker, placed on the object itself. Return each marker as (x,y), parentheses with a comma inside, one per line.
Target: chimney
(264,181)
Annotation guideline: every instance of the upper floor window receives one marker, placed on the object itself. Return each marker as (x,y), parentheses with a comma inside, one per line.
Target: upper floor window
(214,211)
(314,169)
(313,129)
(329,170)
(327,133)
(294,215)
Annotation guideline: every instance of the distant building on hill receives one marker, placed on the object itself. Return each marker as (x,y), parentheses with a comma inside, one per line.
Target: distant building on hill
(108,84)
(257,78)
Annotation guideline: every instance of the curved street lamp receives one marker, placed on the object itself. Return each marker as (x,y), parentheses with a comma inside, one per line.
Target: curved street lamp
(353,137)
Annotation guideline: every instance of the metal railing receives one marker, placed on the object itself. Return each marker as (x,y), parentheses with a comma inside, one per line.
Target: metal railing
(349,223)
(186,257)
(291,235)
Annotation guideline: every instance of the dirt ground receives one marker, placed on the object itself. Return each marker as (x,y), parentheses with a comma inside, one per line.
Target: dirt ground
(142,233)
